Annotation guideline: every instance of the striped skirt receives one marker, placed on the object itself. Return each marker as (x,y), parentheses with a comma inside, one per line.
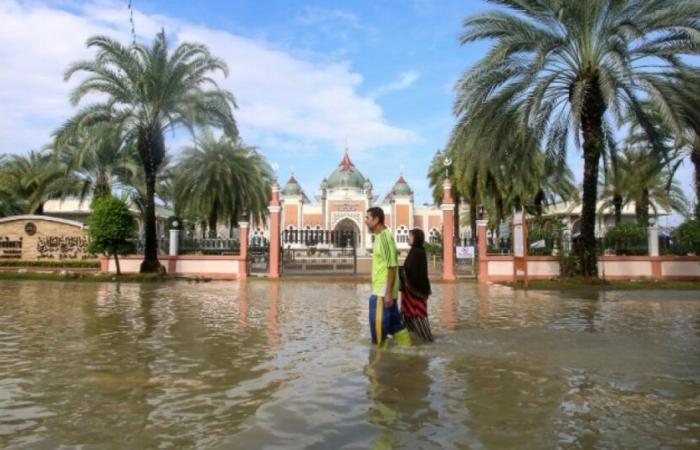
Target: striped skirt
(415,315)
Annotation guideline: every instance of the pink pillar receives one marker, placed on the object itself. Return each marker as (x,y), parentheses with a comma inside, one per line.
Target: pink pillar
(243,263)
(275,217)
(483,257)
(448,232)
(104,264)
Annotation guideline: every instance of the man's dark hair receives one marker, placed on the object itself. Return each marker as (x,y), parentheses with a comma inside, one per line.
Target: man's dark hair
(377,213)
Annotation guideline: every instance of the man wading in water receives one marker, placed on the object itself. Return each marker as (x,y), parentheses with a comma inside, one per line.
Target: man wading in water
(384,316)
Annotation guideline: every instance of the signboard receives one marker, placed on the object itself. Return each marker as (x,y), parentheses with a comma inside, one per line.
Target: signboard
(465,252)
(518,247)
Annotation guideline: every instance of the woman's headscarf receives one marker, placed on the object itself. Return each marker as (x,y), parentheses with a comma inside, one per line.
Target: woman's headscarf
(416,266)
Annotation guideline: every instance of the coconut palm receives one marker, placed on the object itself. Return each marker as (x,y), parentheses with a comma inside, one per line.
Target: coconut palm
(568,67)
(147,91)
(221,179)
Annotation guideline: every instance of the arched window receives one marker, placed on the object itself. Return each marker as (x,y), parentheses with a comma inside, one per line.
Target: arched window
(402,235)
(434,236)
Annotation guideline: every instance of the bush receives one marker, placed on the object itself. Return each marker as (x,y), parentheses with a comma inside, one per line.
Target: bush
(110,226)
(626,232)
(433,249)
(626,239)
(547,232)
(687,236)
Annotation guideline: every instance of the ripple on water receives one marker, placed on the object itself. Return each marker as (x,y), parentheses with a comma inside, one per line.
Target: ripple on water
(288,365)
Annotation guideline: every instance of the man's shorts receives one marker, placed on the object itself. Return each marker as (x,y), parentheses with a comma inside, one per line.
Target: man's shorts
(382,320)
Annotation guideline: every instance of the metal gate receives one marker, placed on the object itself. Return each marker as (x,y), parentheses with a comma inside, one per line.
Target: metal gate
(319,252)
(259,256)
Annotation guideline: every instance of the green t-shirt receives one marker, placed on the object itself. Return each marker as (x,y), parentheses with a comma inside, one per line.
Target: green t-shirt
(384,256)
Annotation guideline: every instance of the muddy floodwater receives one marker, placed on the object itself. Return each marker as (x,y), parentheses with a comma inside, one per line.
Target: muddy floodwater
(289,365)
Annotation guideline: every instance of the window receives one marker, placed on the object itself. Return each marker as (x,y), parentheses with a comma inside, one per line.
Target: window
(402,235)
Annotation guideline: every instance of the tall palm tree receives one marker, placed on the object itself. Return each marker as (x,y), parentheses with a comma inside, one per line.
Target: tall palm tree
(567,67)
(220,179)
(147,91)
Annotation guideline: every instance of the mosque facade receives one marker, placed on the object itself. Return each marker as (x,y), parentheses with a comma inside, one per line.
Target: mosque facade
(341,202)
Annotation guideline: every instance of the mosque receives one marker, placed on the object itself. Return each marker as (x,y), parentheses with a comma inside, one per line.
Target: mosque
(341,202)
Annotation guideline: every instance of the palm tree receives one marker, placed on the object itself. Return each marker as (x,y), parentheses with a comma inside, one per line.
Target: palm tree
(147,91)
(683,117)
(8,202)
(567,67)
(221,179)
(648,182)
(26,183)
(99,158)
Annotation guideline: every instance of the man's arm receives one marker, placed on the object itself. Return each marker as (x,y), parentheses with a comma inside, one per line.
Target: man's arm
(389,292)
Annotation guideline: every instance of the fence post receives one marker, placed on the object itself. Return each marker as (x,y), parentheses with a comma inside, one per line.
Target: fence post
(275,218)
(243,264)
(173,250)
(448,236)
(653,238)
(483,249)
(653,244)
(174,242)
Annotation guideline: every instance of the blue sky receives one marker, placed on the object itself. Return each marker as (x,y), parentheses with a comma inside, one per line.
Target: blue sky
(308,76)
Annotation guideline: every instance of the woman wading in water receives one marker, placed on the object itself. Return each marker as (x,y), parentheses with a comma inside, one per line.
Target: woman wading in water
(415,287)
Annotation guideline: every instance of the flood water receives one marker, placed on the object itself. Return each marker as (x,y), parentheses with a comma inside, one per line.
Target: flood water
(288,365)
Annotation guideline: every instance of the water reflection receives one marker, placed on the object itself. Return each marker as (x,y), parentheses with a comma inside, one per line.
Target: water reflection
(280,364)
(398,391)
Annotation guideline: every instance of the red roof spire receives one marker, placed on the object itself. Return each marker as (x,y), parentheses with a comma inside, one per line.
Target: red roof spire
(292,180)
(346,165)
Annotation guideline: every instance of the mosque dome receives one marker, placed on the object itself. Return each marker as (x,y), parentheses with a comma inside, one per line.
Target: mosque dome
(346,175)
(401,187)
(292,187)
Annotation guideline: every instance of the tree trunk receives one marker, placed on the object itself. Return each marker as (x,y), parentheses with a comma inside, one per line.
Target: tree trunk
(499,213)
(695,159)
(592,130)
(151,147)
(539,200)
(642,209)
(472,217)
(116,263)
(213,221)
(617,204)
(150,254)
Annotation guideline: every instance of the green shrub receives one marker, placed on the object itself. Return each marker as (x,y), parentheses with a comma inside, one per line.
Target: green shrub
(687,236)
(626,239)
(626,231)
(433,249)
(110,226)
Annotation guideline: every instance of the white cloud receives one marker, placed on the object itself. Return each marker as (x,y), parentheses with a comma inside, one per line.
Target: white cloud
(405,80)
(298,103)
